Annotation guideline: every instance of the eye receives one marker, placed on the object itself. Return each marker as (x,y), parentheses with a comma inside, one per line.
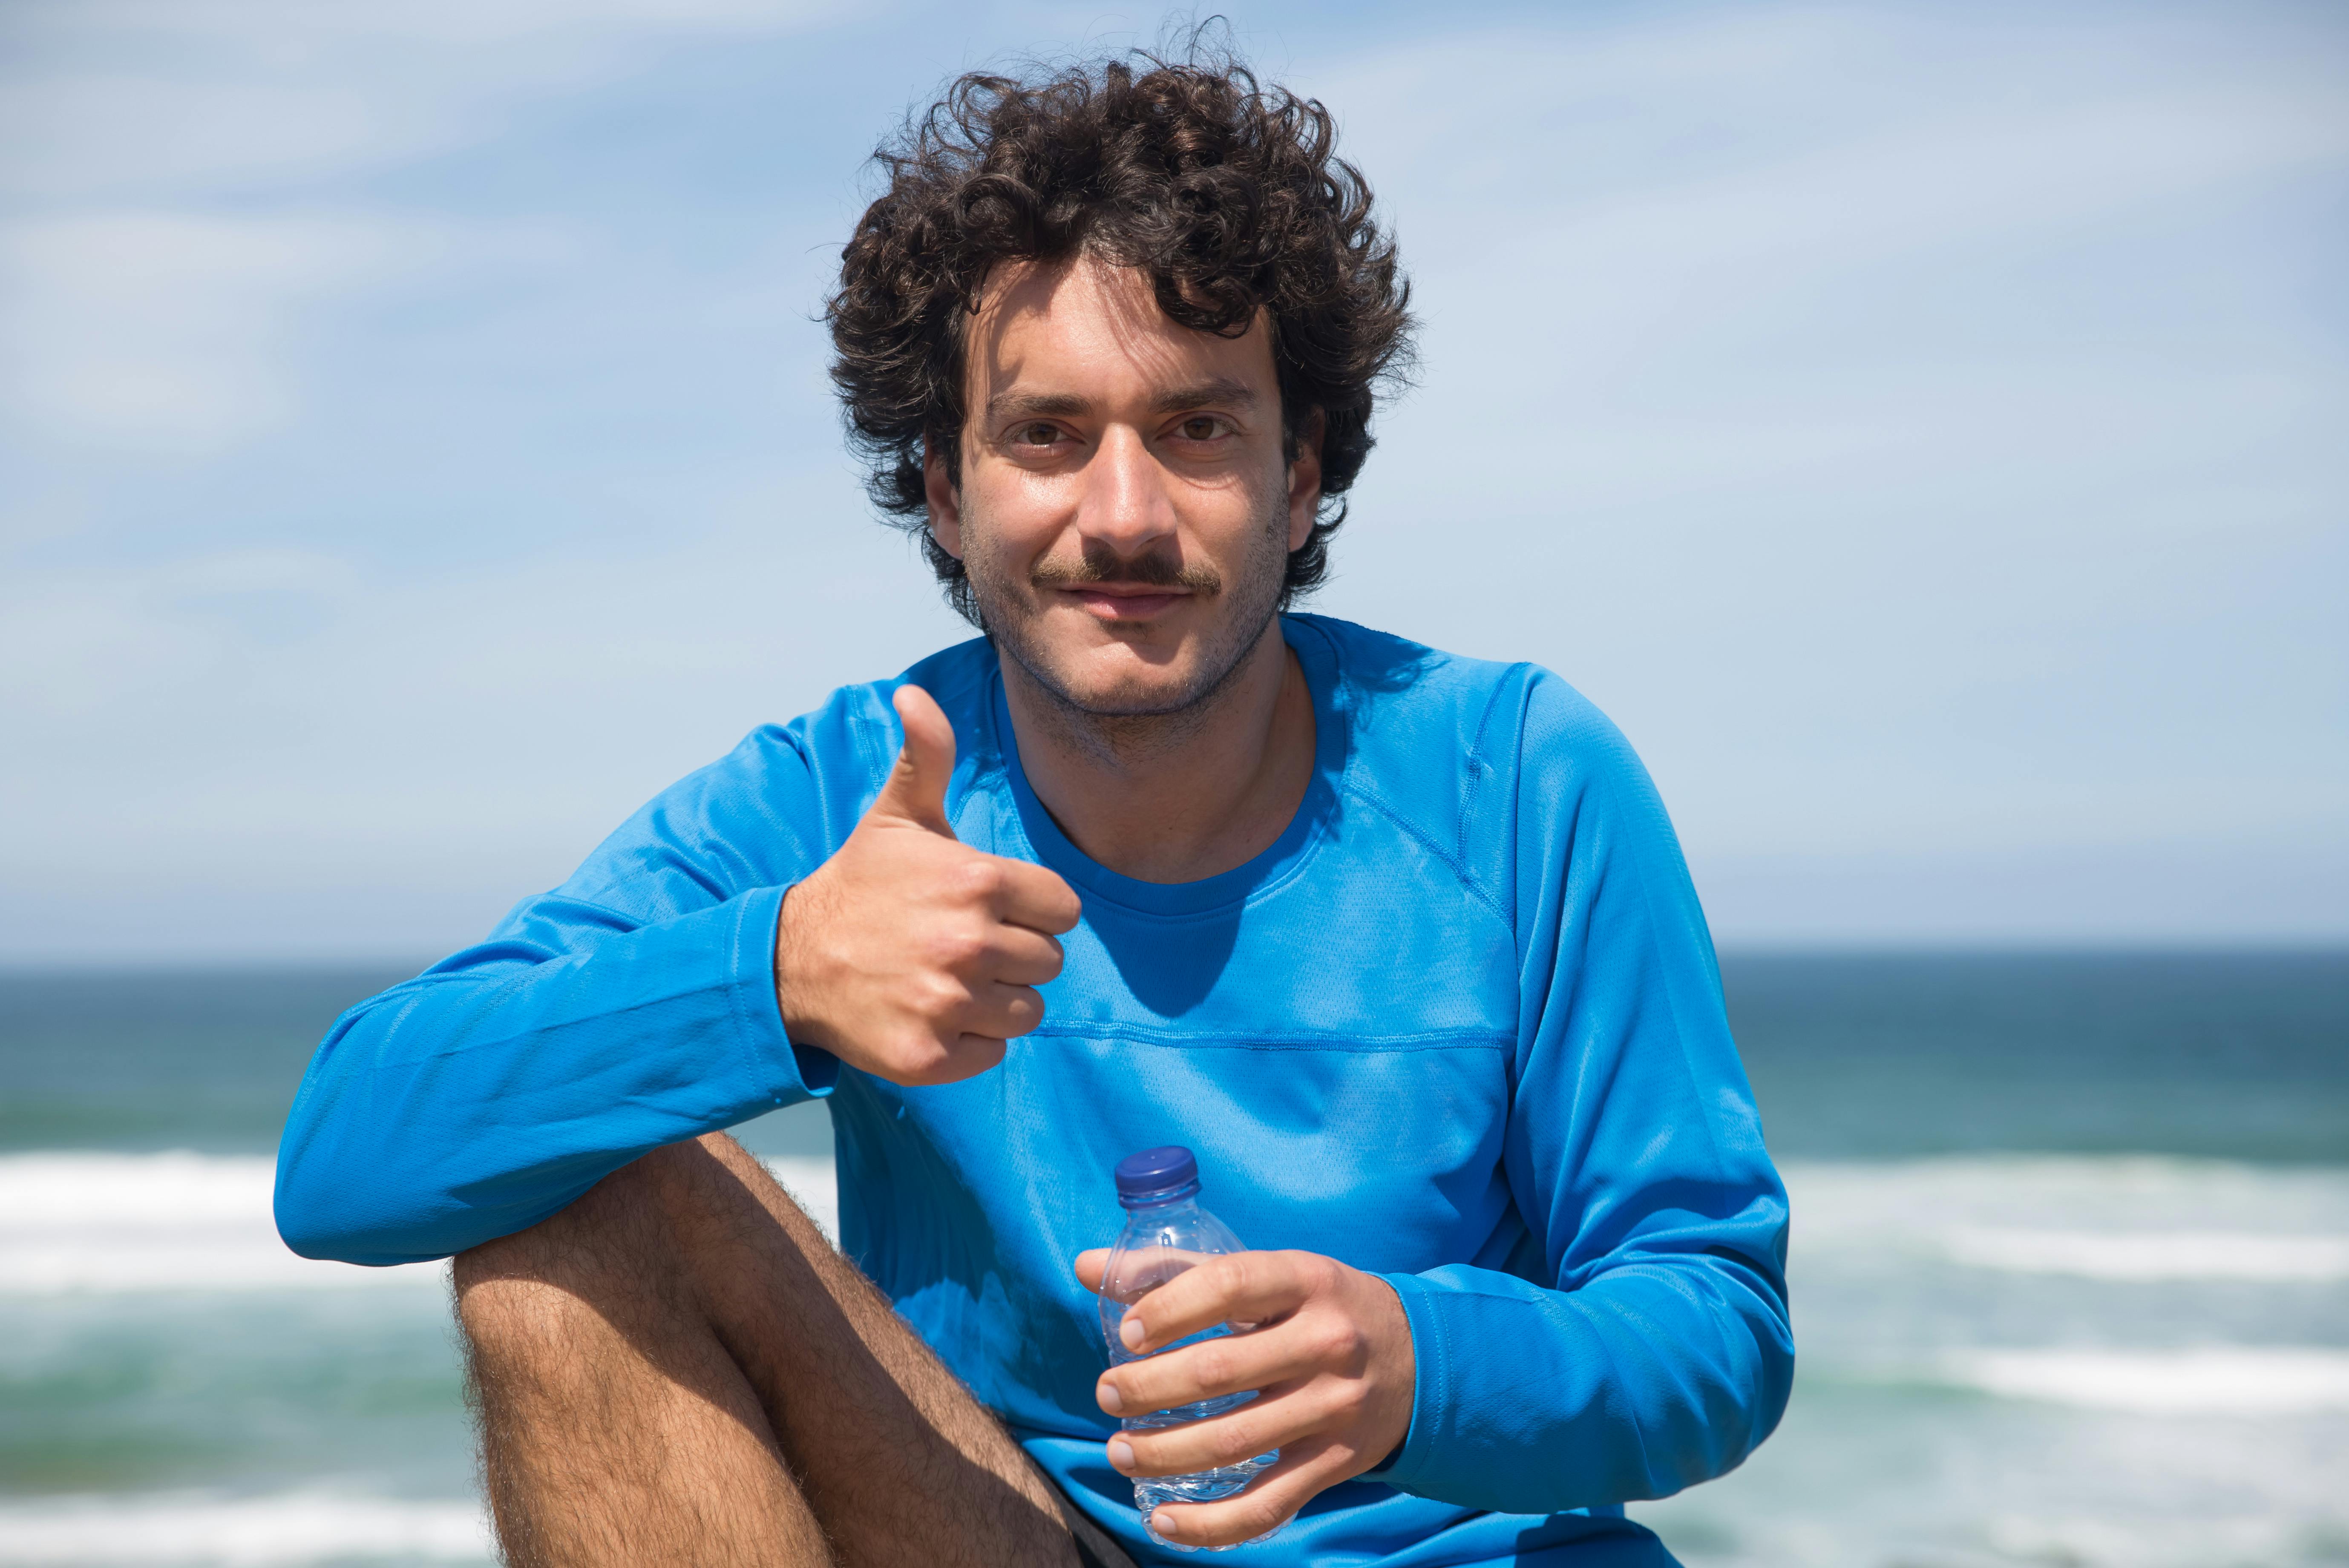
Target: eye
(1202,427)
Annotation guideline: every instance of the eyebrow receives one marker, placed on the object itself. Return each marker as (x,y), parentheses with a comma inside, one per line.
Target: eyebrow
(1038,405)
(1217,392)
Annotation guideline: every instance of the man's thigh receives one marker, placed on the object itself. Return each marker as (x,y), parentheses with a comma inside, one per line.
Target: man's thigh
(889,1449)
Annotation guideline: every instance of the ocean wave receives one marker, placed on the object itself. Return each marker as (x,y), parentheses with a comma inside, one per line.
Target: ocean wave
(2148,1256)
(275,1531)
(116,1223)
(2121,1219)
(2222,1380)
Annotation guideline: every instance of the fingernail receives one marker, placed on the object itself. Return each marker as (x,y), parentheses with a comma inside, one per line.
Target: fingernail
(1158,1523)
(1120,1454)
(1106,1397)
(1130,1331)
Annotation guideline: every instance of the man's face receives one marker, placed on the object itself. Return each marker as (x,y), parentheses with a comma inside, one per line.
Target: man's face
(1125,512)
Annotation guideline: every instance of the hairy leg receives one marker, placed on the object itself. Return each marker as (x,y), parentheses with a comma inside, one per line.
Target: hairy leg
(679,1368)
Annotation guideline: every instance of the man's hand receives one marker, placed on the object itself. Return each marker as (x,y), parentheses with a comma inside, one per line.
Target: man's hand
(1330,1352)
(907,954)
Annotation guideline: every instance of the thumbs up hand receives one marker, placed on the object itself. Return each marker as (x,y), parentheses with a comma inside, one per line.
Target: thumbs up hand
(909,953)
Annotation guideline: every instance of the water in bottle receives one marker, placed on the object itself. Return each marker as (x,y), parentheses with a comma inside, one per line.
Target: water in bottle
(1166,1231)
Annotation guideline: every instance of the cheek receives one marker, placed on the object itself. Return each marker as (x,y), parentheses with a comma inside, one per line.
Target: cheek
(1006,525)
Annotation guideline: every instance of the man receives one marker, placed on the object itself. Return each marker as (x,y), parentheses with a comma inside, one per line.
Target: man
(1400,943)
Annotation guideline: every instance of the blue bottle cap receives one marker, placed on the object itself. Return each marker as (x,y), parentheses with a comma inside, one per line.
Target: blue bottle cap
(1156,1176)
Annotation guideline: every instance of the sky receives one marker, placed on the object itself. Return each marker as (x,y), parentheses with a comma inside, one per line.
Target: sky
(1920,427)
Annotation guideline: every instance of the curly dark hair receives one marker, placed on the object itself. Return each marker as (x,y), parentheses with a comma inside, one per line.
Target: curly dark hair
(1228,193)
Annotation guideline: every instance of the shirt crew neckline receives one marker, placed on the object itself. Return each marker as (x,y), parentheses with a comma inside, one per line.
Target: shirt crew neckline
(1317,658)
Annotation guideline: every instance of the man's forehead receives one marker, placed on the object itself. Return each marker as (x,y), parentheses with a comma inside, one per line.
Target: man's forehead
(1043,328)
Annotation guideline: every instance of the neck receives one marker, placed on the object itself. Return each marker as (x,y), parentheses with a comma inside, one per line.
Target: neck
(1176,796)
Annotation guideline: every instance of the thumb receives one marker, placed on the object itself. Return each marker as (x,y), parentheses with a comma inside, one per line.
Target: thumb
(1092,1264)
(917,789)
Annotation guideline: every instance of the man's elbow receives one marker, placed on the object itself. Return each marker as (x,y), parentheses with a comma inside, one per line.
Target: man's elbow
(1743,1406)
(317,1218)
(308,1223)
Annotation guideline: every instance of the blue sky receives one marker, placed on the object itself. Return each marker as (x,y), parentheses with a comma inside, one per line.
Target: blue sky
(1920,427)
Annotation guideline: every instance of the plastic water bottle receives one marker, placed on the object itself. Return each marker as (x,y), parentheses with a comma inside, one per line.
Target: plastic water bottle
(1166,1231)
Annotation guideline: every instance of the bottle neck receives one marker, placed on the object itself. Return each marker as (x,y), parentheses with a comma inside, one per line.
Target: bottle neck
(1157,1211)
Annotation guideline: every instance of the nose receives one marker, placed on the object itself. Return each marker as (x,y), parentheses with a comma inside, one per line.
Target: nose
(1126,506)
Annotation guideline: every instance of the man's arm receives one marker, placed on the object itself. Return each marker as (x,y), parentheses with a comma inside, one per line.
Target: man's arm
(1639,1343)
(703,967)
(632,1007)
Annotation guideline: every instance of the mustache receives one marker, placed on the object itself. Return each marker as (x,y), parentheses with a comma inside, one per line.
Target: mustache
(1152,569)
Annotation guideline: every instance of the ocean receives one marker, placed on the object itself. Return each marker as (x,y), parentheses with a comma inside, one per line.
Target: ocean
(2070,1276)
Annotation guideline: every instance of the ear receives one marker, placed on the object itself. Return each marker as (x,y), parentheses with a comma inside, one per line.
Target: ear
(1304,482)
(944,499)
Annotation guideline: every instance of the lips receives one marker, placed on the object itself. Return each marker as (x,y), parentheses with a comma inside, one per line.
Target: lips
(1123,601)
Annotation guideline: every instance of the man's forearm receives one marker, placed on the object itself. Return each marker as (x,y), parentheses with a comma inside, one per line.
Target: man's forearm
(477,1099)
(1654,1376)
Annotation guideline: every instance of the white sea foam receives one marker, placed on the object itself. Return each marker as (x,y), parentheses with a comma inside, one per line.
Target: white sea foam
(2230,1380)
(2124,1219)
(279,1532)
(113,1224)
(2152,1255)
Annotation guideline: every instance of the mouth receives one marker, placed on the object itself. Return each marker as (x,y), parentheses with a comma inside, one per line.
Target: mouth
(1123,601)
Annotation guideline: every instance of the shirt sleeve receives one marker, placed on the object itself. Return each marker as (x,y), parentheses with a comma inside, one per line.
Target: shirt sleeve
(1638,1342)
(632,1007)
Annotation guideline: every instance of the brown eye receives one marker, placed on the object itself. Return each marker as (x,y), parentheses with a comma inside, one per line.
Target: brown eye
(1200,428)
(1037,435)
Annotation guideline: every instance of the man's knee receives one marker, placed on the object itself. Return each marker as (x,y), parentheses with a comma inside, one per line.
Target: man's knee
(607,1246)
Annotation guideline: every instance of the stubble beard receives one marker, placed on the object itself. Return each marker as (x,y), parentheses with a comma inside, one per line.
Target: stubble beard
(1130,729)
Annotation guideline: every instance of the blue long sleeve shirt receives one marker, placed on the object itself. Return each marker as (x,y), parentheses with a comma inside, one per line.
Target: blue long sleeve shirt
(1459,1026)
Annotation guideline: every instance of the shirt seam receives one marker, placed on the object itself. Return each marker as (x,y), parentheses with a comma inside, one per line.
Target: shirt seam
(1480,763)
(1459,872)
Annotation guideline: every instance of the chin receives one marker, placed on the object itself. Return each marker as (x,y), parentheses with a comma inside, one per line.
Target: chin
(1127,694)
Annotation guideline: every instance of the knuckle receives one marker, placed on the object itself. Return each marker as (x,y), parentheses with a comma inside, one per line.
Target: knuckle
(941,994)
(946,944)
(1243,1437)
(1263,1514)
(1239,1443)
(1336,1341)
(965,943)
(978,877)
(920,1051)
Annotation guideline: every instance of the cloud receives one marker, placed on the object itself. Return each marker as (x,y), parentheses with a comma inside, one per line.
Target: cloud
(1900,425)
(1710,219)
(116,96)
(169,331)
(164,238)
